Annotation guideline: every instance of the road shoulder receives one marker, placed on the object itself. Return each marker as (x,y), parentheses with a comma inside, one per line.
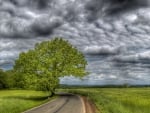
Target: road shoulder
(89,105)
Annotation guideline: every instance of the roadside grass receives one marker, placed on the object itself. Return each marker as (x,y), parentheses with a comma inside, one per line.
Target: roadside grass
(117,100)
(17,101)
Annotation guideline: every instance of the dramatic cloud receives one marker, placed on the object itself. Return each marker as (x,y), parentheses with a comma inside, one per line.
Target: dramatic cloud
(118,6)
(103,50)
(114,35)
(143,57)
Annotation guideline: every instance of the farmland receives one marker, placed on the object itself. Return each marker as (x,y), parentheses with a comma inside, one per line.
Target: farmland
(16,101)
(107,100)
(117,100)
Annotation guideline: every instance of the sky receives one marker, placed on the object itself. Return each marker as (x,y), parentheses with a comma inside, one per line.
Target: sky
(114,35)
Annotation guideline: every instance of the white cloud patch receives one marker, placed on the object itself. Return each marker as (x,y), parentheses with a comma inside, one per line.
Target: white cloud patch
(143,57)
(103,50)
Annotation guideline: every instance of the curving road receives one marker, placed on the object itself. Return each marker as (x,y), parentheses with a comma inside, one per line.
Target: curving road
(66,103)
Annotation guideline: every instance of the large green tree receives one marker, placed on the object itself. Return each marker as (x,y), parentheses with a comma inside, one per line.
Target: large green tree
(41,67)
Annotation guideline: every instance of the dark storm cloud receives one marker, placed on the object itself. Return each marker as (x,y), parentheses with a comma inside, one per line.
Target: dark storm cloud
(26,21)
(40,4)
(45,26)
(32,18)
(99,8)
(118,6)
(107,31)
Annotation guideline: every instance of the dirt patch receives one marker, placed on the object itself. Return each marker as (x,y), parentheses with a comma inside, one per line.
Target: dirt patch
(89,105)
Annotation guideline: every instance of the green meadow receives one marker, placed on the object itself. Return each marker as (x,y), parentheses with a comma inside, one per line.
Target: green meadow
(17,101)
(117,100)
(107,100)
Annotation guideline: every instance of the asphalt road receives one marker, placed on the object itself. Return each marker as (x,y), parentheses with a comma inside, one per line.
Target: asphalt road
(66,103)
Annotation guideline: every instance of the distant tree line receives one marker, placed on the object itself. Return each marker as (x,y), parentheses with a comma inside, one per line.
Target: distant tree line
(9,80)
(6,79)
(2,79)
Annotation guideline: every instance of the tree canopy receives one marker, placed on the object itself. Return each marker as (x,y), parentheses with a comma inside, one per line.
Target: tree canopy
(41,67)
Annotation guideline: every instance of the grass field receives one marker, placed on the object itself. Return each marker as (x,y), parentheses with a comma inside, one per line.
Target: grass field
(16,101)
(118,100)
(107,100)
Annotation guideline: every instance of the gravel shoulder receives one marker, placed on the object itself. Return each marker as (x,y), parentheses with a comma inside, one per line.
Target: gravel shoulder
(89,105)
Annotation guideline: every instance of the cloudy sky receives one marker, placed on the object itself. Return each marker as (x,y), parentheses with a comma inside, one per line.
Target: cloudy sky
(114,35)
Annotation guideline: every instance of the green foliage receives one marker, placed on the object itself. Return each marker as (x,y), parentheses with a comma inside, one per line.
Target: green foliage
(15,80)
(3,79)
(8,79)
(41,67)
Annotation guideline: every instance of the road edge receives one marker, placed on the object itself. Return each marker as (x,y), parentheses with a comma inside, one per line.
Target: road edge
(83,103)
(49,101)
(89,105)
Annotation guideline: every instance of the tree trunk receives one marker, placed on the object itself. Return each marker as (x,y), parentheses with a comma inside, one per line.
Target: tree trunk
(52,93)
